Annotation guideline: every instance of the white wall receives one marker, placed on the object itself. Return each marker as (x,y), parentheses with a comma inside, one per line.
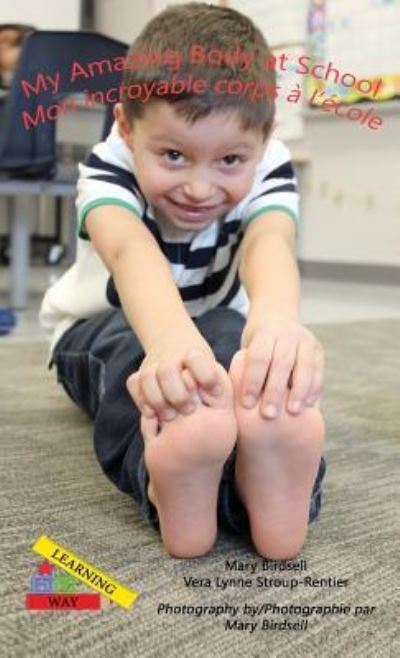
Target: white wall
(43,14)
(124,19)
(350,190)
(121,19)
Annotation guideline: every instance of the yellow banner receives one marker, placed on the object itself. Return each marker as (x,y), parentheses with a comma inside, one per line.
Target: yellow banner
(85,572)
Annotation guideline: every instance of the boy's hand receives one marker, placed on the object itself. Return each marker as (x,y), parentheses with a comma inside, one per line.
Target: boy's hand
(167,380)
(285,354)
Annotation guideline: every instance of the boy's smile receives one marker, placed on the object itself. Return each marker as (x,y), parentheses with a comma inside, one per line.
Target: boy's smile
(192,213)
(191,174)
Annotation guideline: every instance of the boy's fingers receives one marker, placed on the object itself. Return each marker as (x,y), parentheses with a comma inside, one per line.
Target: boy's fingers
(204,369)
(149,426)
(302,376)
(258,359)
(277,381)
(133,386)
(194,390)
(153,394)
(172,385)
(188,379)
(315,391)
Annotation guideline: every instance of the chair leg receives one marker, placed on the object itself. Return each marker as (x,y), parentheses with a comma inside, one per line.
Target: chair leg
(70,215)
(19,250)
(58,220)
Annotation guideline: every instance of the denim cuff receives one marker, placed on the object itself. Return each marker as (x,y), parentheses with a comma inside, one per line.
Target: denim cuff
(316,497)
(147,509)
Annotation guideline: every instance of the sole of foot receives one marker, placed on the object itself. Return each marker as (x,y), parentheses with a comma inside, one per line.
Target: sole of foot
(185,458)
(276,466)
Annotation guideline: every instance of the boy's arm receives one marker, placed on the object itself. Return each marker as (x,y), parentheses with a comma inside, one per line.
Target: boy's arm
(277,346)
(154,309)
(142,276)
(269,272)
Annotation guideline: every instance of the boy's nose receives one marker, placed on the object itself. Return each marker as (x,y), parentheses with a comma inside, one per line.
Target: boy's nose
(199,190)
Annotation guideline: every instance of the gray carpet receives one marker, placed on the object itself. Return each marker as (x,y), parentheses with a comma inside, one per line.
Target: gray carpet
(51,484)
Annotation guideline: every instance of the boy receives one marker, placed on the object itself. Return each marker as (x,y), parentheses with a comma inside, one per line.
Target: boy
(11,38)
(204,387)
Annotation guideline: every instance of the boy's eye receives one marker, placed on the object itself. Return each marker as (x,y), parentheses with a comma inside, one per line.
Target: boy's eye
(232,159)
(171,155)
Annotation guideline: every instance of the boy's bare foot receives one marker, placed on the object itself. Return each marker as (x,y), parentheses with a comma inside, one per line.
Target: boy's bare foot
(276,466)
(185,458)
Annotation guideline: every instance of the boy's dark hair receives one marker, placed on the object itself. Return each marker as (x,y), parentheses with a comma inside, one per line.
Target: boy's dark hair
(213,27)
(22,30)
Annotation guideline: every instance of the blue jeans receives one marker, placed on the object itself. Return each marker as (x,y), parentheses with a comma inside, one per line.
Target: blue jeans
(94,359)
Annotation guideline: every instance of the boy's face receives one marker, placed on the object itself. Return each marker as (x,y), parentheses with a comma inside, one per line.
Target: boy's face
(9,50)
(194,173)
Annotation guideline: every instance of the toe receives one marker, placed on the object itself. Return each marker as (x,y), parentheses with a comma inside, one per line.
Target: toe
(150,427)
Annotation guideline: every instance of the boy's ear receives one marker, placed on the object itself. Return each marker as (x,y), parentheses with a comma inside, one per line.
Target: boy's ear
(266,138)
(124,126)
(273,130)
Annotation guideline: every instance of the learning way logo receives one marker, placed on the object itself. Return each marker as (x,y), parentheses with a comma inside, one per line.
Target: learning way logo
(52,589)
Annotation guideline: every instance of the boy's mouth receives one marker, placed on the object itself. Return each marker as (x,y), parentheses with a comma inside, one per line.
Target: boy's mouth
(193,211)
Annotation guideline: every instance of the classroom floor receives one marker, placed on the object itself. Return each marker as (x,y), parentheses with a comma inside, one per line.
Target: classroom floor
(324,302)
(51,484)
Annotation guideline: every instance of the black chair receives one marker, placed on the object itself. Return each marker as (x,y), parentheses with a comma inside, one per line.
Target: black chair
(28,162)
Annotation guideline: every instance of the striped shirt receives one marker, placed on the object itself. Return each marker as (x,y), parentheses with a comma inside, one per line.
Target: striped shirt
(204,264)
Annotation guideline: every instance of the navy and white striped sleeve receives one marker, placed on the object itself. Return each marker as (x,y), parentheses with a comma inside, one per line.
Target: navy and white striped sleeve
(107,178)
(275,185)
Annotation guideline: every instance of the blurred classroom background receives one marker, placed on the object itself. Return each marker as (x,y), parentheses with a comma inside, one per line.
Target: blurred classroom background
(349,254)
(349,239)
